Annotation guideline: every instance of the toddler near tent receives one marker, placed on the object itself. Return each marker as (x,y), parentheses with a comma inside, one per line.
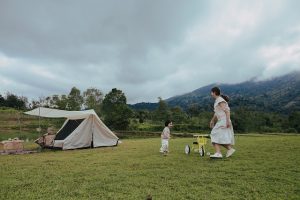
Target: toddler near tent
(165,136)
(81,129)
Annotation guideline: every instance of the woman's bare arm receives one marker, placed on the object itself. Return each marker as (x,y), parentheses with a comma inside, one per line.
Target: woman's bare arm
(212,121)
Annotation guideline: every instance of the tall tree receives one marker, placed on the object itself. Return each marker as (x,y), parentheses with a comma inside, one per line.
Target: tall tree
(115,110)
(2,101)
(92,99)
(59,101)
(178,115)
(142,115)
(162,112)
(75,99)
(13,101)
(294,121)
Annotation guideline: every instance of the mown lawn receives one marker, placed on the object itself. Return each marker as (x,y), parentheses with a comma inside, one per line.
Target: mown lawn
(264,167)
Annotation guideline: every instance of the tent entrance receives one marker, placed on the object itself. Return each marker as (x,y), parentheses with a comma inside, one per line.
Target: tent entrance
(69,127)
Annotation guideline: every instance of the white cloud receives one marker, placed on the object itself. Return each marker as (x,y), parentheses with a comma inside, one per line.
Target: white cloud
(42,72)
(5,61)
(146,48)
(281,58)
(228,21)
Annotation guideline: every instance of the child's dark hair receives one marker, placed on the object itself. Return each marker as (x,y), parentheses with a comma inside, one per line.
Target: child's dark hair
(217,91)
(167,122)
(149,197)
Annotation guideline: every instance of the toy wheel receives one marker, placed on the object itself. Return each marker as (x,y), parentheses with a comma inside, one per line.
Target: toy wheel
(187,149)
(201,151)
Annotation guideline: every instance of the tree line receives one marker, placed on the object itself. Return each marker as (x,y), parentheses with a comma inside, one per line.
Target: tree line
(13,101)
(196,118)
(117,115)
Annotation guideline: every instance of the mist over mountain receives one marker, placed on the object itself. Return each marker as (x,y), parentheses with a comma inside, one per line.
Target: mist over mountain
(279,94)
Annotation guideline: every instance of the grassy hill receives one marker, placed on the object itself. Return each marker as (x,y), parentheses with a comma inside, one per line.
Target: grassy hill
(14,123)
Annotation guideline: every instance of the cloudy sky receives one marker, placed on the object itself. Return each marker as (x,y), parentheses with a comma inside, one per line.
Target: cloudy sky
(147,48)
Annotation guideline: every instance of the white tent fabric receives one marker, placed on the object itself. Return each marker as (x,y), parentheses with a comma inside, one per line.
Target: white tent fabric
(55,113)
(90,130)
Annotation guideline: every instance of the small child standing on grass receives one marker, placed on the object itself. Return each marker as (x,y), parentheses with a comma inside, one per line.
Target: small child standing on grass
(165,136)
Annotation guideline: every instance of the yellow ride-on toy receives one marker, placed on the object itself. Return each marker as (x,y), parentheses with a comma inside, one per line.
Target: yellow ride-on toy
(198,146)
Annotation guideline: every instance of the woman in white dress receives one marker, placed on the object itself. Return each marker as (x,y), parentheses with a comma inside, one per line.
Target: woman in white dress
(222,131)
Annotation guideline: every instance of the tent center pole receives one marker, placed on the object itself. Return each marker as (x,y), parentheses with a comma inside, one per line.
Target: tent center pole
(92,145)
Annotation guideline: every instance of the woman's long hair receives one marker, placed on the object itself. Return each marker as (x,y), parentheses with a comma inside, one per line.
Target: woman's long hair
(217,91)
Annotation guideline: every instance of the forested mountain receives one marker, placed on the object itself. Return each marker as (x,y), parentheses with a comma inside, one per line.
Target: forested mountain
(143,106)
(280,94)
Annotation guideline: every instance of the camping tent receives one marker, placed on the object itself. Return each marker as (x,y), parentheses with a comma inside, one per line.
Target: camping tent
(81,129)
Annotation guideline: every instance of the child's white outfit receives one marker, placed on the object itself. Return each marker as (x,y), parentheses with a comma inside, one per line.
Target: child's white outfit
(220,134)
(165,136)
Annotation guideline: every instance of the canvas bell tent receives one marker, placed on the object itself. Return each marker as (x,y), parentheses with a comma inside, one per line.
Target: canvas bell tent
(80,130)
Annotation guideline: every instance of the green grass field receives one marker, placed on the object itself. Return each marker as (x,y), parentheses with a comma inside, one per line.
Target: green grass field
(264,167)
